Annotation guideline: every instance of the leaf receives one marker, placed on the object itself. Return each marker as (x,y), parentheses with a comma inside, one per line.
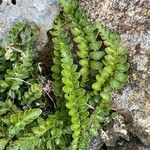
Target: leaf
(75,127)
(84,71)
(110,58)
(75,119)
(122,77)
(96,65)
(95,45)
(13,34)
(4,84)
(105,95)
(79,39)
(97,55)
(96,86)
(44,126)
(3,143)
(49,145)
(110,51)
(73,112)
(93,131)
(91,37)
(122,67)
(122,50)
(76,31)
(82,53)
(84,62)
(83,46)
(115,84)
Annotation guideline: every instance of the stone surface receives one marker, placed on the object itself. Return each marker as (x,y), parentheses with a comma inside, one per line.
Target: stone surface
(41,12)
(131,20)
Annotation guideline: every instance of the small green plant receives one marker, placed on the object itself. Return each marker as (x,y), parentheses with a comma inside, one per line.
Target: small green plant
(89,63)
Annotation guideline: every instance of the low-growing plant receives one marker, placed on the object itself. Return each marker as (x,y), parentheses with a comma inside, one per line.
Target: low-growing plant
(89,63)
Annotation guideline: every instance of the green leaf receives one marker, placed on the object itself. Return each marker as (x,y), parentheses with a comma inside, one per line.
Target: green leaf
(83,53)
(3,143)
(115,84)
(4,84)
(93,131)
(122,67)
(122,77)
(96,65)
(75,127)
(83,46)
(49,145)
(84,62)
(97,55)
(79,39)
(122,50)
(105,95)
(76,31)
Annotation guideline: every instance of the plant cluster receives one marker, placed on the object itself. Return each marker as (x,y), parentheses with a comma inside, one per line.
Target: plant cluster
(89,63)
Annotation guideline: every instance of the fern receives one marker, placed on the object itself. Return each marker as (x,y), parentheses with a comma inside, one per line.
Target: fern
(89,64)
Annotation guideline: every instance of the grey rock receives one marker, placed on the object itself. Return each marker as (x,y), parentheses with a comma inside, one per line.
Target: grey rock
(96,143)
(131,20)
(115,132)
(41,12)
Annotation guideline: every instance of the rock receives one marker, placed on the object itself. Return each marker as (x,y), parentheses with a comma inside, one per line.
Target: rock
(131,20)
(114,132)
(41,12)
(96,143)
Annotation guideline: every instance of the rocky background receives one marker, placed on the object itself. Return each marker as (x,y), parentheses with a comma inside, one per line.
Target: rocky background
(131,20)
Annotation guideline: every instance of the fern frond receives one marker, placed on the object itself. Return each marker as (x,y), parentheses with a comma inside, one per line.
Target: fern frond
(113,60)
(27,142)
(13,34)
(5,106)
(44,126)
(57,83)
(21,119)
(34,93)
(73,93)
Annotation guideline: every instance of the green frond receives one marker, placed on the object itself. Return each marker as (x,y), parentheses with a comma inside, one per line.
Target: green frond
(44,125)
(13,34)
(21,119)
(56,68)
(5,106)
(34,93)
(28,142)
